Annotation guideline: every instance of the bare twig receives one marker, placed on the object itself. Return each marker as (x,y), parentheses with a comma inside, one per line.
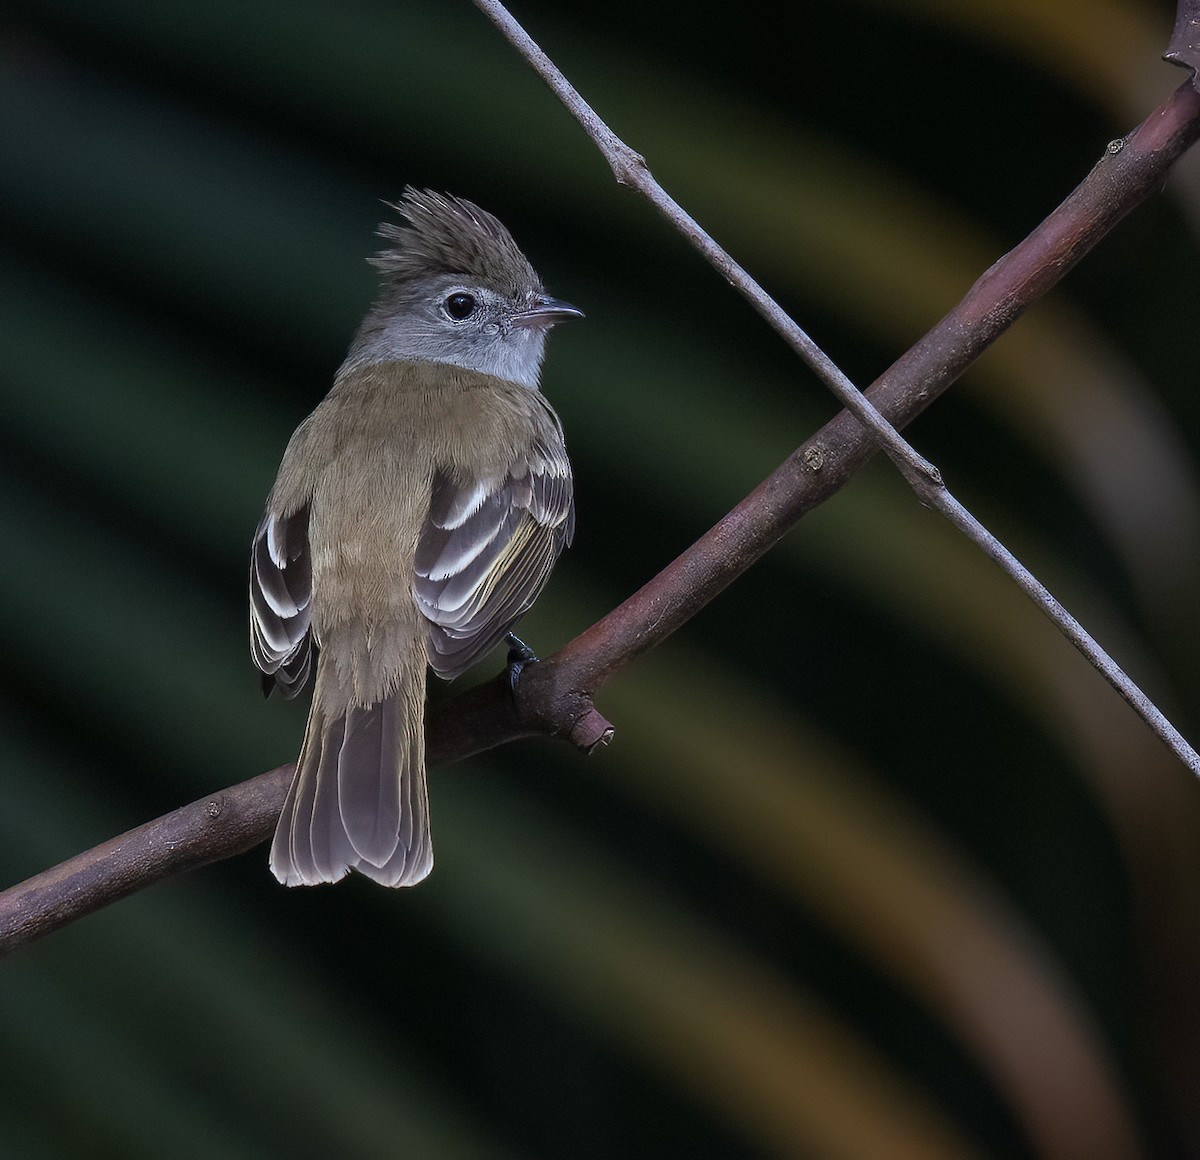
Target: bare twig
(554,697)
(630,168)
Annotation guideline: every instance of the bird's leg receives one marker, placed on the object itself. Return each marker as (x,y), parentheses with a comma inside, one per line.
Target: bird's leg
(519,655)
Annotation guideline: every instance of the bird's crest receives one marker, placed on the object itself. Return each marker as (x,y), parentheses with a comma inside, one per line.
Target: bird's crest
(443,234)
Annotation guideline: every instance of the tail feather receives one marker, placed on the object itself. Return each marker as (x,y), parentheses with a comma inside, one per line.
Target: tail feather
(321,848)
(413,860)
(358,800)
(413,856)
(368,799)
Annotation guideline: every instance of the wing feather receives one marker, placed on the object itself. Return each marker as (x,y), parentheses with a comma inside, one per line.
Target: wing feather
(486,552)
(280,593)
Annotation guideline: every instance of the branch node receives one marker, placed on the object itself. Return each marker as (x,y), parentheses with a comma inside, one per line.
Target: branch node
(923,477)
(813,457)
(590,732)
(628,165)
(546,703)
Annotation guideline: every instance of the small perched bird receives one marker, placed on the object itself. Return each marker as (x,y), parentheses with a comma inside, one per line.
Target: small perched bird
(416,516)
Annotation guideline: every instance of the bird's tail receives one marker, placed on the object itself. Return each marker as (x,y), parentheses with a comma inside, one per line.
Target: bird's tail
(358,800)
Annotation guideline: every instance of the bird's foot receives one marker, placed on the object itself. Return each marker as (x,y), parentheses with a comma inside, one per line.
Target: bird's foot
(519,655)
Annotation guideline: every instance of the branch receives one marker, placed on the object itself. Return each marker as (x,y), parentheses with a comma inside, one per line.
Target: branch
(629,168)
(239,818)
(216,827)
(554,697)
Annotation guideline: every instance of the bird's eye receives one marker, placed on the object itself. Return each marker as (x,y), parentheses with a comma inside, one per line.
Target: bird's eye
(459,306)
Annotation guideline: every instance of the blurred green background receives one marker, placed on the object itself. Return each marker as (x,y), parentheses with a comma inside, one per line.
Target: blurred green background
(876,866)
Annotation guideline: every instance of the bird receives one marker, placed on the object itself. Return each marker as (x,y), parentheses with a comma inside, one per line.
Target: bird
(415,517)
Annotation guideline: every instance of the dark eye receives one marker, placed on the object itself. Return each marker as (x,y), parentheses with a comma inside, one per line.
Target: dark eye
(458,306)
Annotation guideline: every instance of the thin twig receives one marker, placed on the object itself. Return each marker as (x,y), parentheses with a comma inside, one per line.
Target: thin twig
(554,696)
(630,169)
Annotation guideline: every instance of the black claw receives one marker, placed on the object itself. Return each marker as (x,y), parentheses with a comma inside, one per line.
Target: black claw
(519,655)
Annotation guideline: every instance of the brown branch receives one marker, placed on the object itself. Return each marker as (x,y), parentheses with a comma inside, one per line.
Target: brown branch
(239,818)
(629,168)
(220,826)
(555,696)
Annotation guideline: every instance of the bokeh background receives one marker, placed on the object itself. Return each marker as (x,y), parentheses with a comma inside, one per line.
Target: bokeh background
(876,866)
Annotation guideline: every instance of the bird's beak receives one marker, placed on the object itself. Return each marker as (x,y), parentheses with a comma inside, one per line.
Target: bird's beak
(543,312)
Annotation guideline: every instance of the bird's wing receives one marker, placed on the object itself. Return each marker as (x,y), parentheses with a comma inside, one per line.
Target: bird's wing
(486,551)
(280,592)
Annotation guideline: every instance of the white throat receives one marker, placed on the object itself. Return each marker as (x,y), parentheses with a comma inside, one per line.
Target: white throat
(515,356)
